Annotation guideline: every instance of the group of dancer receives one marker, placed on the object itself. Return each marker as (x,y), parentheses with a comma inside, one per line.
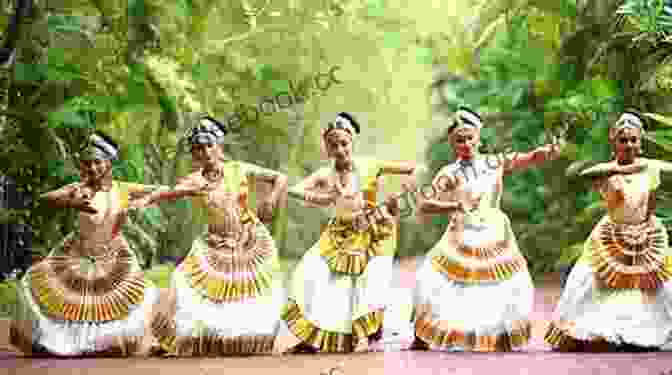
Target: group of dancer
(474,291)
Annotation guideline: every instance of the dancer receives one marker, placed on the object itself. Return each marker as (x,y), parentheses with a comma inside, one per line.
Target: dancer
(618,295)
(223,299)
(474,292)
(338,292)
(89,295)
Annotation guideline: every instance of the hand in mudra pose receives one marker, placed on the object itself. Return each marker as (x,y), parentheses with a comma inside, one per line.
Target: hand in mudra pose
(452,188)
(82,198)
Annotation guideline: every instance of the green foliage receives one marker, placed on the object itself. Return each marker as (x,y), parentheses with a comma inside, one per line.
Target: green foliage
(153,65)
(650,16)
(527,75)
(152,215)
(68,118)
(28,72)
(8,298)
(160,275)
(137,8)
(64,23)
(570,255)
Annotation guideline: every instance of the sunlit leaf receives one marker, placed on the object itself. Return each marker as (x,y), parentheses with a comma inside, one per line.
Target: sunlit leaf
(200,71)
(27,72)
(661,134)
(136,8)
(280,86)
(659,118)
(56,167)
(376,8)
(185,7)
(577,101)
(101,103)
(602,88)
(392,40)
(167,104)
(68,118)
(570,254)
(264,72)
(569,8)
(152,215)
(65,72)
(64,23)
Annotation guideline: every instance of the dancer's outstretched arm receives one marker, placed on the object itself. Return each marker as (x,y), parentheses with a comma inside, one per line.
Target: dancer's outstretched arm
(185,187)
(429,203)
(397,168)
(71,196)
(519,161)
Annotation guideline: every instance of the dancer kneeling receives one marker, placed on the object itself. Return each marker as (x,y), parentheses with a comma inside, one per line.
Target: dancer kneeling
(223,299)
(619,295)
(89,295)
(474,292)
(339,290)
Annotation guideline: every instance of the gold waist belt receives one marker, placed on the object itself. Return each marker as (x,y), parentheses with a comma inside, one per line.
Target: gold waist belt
(348,249)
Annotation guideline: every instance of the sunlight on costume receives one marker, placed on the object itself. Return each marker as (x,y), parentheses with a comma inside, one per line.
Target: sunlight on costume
(228,302)
(620,291)
(475,293)
(339,289)
(84,299)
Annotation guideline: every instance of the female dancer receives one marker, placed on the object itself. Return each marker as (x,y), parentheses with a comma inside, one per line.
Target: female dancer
(474,292)
(89,295)
(618,296)
(338,291)
(222,300)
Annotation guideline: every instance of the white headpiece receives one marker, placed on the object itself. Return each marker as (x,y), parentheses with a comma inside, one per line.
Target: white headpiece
(626,121)
(629,120)
(209,131)
(100,148)
(467,118)
(344,121)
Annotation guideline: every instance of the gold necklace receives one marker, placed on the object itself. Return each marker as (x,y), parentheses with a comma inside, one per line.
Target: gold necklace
(214,175)
(344,176)
(213,178)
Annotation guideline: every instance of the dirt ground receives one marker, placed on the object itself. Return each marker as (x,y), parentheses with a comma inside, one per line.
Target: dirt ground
(535,360)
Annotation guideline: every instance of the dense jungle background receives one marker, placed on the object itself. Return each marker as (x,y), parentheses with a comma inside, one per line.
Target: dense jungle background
(142,70)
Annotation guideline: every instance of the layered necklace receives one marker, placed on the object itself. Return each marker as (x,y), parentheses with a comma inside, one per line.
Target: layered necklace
(345,176)
(213,176)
